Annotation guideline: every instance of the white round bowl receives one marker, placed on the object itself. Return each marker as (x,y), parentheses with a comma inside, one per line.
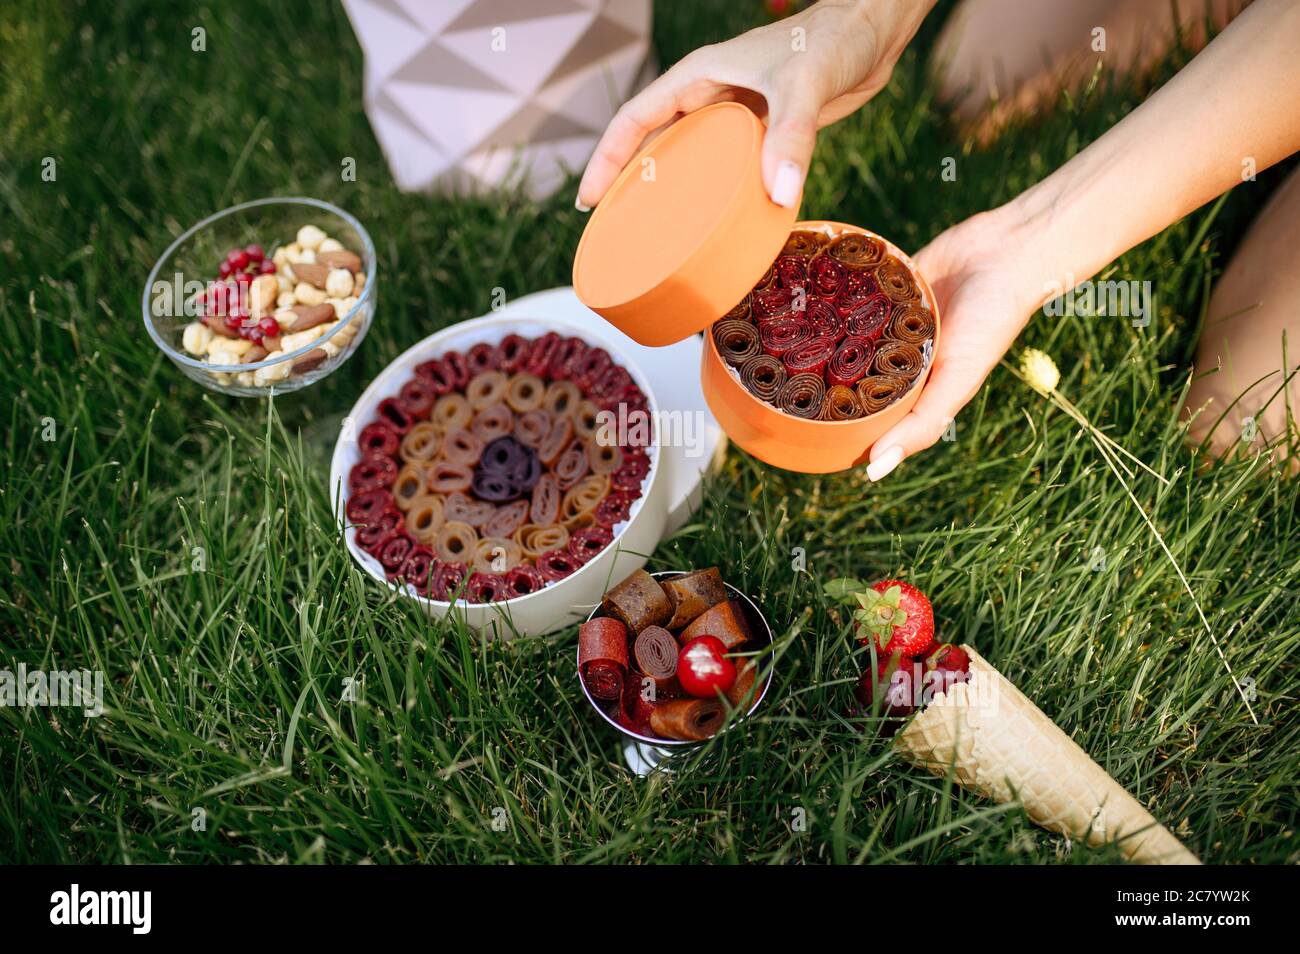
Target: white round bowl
(563,602)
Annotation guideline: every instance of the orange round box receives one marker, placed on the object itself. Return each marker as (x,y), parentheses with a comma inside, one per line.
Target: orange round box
(794,443)
(682,235)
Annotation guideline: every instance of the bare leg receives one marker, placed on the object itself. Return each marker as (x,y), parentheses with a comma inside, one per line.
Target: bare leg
(1255,303)
(999,58)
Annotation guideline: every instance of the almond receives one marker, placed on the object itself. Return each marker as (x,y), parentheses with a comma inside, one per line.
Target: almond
(255,353)
(309,316)
(340,259)
(310,361)
(312,273)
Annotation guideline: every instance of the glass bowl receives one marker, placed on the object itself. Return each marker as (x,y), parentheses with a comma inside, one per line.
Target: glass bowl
(173,294)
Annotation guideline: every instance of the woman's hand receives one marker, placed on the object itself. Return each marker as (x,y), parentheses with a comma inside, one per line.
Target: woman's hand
(983,277)
(803,72)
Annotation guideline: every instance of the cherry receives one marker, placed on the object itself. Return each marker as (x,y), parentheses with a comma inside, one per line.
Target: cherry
(703,668)
(255,252)
(269,326)
(267,267)
(225,268)
(238,258)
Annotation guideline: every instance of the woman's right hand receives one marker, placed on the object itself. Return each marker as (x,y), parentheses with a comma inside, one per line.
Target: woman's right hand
(802,73)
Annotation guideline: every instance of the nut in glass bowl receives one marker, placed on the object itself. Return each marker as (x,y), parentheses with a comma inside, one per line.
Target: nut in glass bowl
(265,297)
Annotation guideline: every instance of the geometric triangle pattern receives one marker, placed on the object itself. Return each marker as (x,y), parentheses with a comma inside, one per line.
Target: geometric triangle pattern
(470,95)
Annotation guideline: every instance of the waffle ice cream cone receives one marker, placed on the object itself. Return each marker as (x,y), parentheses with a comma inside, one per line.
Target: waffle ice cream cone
(1002,746)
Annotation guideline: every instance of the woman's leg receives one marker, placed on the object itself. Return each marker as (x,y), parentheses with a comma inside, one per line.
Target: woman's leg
(999,58)
(1254,306)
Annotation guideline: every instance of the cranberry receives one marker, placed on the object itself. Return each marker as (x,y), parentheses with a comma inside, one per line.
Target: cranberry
(267,267)
(703,668)
(243,278)
(233,321)
(238,259)
(255,252)
(269,326)
(225,268)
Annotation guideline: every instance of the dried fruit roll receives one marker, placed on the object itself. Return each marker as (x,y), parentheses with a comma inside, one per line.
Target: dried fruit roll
(486,389)
(572,466)
(824,319)
(496,555)
(856,250)
(532,427)
(896,280)
(868,318)
(746,676)
(898,358)
(804,242)
(421,442)
(584,496)
(878,391)
(451,412)
(688,720)
(463,509)
(779,335)
(602,657)
(811,356)
(408,487)
(493,421)
(692,594)
(826,276)
(638,602)
(537,540)
(912,323)
(763,376)
(802,395)
(462,447)
(726,621)
(840,404)
(524,392)
(655,652)
(850,361)
(737,341)
(425,517)
(455,542)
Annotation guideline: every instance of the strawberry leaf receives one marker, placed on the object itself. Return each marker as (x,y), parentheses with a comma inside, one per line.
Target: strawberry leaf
(843,588)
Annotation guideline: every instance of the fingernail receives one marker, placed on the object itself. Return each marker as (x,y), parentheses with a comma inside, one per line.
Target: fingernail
(785,187)
(884,465)
(577,204)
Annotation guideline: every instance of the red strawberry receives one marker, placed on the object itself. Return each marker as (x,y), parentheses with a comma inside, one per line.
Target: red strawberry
(948,657)
(898,616)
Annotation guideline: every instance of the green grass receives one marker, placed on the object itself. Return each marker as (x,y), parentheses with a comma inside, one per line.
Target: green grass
(224,686)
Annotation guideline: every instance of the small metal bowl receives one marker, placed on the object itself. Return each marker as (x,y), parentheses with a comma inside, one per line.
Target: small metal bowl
(652,749)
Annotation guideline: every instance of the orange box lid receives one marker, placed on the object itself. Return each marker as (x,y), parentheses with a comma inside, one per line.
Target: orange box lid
(685,230)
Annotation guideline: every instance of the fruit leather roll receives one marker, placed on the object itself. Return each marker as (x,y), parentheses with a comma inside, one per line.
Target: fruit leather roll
(868,318)
(802,396)
(898,358)
(638,602)
(655,653)
(779,335)
(824,318)
(763,376)
(998,744)
(856,250)
(726,621)
(602,657)
(687,720)
(878,391)
(746,675)
(840,404)
(896,280)
(912,323)
(737,341)
(811,356)
(850,361)
(826,276)
(804,242)
(694,593)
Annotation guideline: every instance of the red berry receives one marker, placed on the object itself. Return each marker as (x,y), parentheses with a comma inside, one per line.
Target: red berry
(897,682)
(269,326)
(254,252)
(949,658)
(243,278)
(703,668)
(238,258)
(267,267)
(225,268)
(898,616)
(233,321)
